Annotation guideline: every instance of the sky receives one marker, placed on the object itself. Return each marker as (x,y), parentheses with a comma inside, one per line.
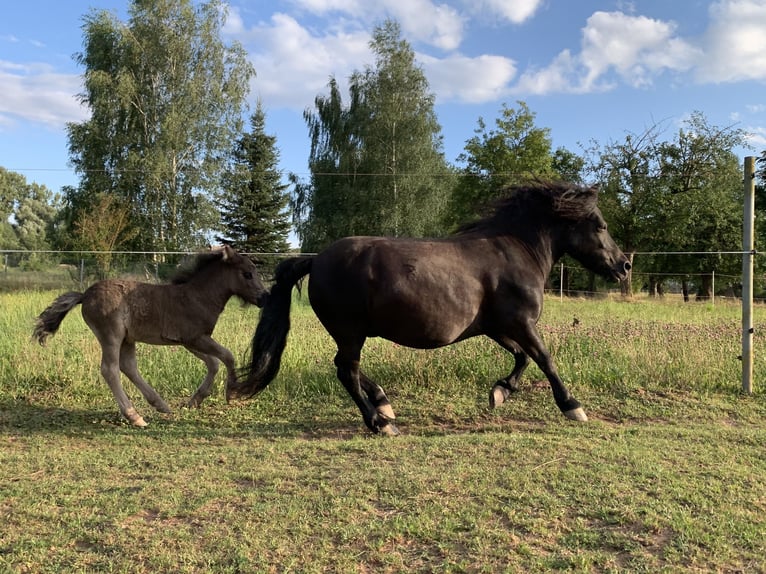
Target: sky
(590,70)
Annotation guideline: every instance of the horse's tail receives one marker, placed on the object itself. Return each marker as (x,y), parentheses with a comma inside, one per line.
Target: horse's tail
(270,335)
(49,320)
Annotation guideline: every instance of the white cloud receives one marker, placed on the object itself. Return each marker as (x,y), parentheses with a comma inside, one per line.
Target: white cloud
(735,43)
(469,80)
(636,49)
(559,77)
(515,11)
(293,66)
(756,137)
(35,92)
(436,24)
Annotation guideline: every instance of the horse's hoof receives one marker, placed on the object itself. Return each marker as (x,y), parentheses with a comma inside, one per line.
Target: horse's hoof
(389,430)
(577,414)
(497,396)
(386,411)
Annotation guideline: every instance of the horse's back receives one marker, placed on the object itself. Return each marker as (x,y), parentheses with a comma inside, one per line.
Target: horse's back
(126,309)
(419,293)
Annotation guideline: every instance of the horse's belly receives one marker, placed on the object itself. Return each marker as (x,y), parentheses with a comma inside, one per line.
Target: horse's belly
(423,332)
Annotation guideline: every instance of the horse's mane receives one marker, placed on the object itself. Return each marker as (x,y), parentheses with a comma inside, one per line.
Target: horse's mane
(523,204)
(198,263)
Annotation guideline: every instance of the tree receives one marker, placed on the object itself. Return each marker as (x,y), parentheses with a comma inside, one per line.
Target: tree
(253,202)
(166,97)
(672,196)
(515,151)
(27,212)
(377,163)
(103,229)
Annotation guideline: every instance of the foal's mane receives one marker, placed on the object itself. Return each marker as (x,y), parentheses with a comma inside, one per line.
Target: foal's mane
(538,200)
(200,262)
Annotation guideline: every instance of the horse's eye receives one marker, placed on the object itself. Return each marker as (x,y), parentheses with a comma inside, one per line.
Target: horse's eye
(247,275)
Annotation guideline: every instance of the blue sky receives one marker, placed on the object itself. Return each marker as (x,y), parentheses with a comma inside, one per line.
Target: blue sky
(589,69)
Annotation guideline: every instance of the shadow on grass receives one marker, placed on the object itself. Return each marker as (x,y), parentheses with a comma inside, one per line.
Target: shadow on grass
(23,417)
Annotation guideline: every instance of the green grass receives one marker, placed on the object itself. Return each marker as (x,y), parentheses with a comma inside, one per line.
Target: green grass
(668,475)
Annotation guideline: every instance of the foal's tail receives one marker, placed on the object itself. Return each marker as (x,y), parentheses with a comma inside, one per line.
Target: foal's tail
(271,333)
(49,320)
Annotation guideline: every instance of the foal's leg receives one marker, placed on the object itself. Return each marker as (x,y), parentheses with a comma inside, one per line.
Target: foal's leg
(510,384)
(110,370)
(347,363)
(204,390)
(377,397)
(529,340)
(207,349)
(129,366)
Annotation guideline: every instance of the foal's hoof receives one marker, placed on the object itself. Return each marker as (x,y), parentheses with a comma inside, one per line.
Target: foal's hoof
(389,430)
(576,415)
(136,420)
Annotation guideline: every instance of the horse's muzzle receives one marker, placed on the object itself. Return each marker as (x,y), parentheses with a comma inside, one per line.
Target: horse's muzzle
(622,269)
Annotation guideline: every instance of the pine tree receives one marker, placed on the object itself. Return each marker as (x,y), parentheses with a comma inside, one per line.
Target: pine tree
(253,203)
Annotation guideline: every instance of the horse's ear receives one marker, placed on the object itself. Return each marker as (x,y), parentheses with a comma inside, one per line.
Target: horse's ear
(228,253)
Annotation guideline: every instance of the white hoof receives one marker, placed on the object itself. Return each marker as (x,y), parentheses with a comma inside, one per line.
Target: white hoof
(386,412)
(389,430)
(135,419)
(497,396)
(576,415)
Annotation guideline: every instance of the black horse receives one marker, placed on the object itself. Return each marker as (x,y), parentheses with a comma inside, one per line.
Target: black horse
(486,279)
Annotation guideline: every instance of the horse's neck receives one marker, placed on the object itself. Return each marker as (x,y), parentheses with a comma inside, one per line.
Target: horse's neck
(541,248)
(209,293)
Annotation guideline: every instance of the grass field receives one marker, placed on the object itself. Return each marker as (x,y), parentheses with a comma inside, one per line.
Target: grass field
(667,476)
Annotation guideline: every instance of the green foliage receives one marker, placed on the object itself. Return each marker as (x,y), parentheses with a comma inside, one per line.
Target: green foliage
(515,151)
(253,201)
(165,96)
(377,163)
(27,213)
(684,194)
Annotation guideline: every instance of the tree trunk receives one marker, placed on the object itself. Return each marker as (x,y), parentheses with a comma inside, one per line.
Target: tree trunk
(706,288)
(626,287)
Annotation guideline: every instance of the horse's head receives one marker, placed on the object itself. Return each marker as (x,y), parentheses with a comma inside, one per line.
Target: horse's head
(587,239)
(245,282)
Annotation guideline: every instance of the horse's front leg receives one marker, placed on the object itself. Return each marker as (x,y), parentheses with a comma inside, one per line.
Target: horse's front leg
(510,384)
(347,363)
(377,397)
(129,366)
(530,341)
(206,387)
(210,352)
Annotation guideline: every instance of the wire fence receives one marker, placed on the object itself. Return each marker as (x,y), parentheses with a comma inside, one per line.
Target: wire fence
(55,269)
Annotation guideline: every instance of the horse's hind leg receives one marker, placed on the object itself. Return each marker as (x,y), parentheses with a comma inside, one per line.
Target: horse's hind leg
(129,366)
(377,397)
(206,388)
(347,363)
(110,370)
(510,384)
